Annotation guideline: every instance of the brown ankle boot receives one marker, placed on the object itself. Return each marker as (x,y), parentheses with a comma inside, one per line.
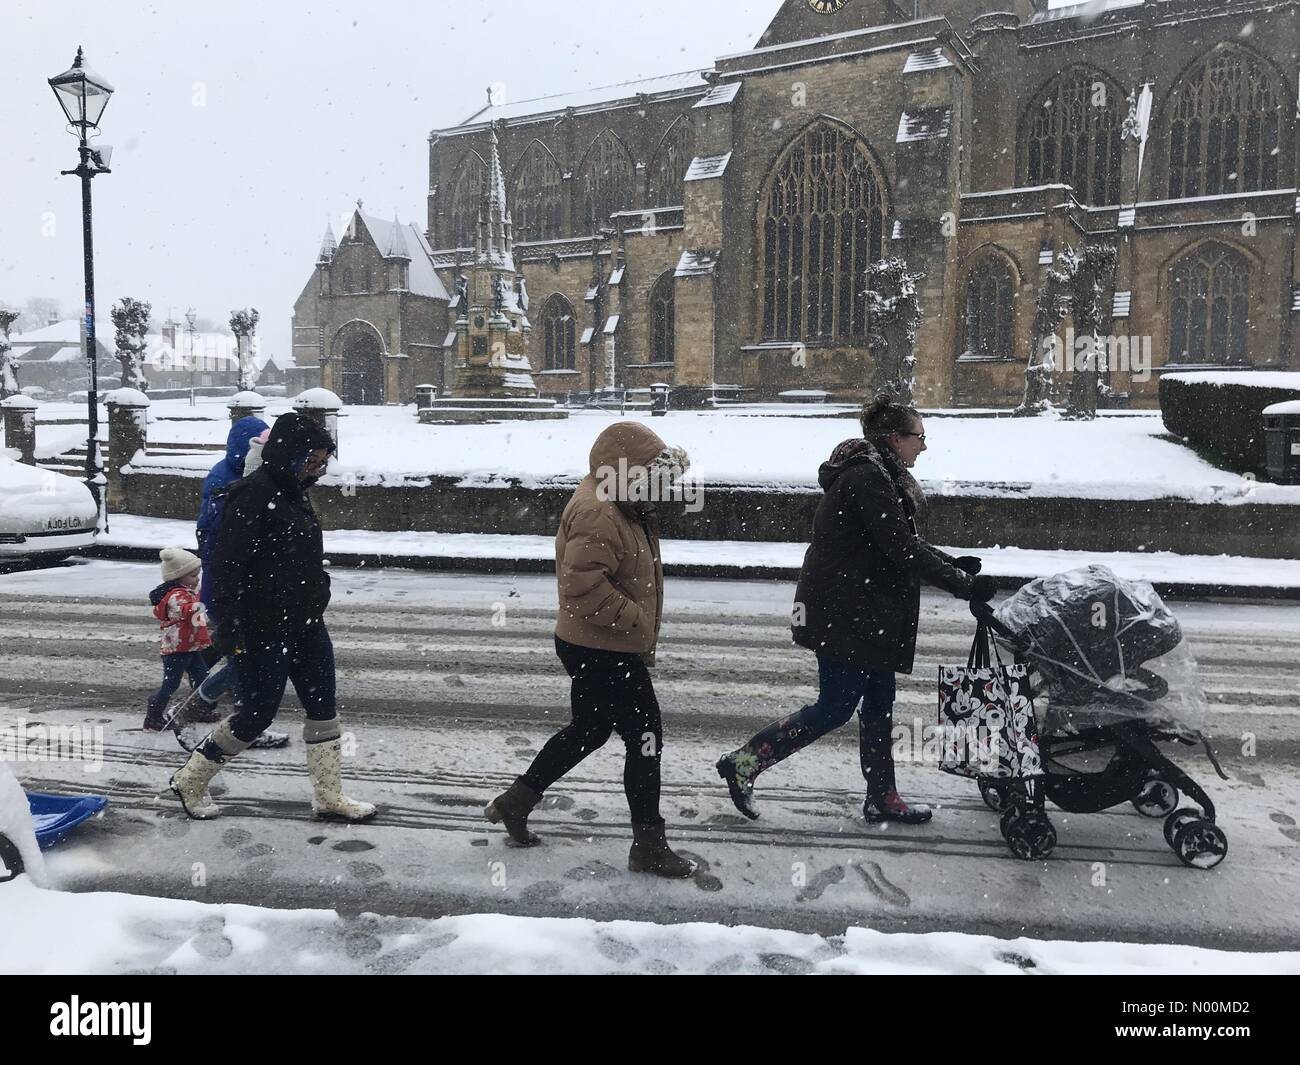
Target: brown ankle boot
(651,854)
(513,807)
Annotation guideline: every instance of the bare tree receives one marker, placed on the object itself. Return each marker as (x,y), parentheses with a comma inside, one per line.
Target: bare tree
(244,324)
(1053,307)
(1093,280)
(131,320)
(8,369)
(894,316)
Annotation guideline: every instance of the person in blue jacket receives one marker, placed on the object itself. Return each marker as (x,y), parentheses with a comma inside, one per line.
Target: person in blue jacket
(222,475)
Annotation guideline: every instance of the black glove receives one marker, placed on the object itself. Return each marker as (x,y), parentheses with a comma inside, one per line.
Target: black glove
(969,563)
(227,641)
(983,589)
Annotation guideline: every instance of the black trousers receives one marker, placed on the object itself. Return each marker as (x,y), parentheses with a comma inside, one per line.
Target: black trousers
(611,692)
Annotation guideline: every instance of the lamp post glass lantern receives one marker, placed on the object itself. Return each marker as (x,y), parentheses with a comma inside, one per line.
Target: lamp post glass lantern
(83,95)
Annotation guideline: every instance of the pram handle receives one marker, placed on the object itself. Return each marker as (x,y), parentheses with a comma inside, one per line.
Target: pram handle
(983,613)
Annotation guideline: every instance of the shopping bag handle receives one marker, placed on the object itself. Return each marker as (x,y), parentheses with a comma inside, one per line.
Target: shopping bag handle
(979,648)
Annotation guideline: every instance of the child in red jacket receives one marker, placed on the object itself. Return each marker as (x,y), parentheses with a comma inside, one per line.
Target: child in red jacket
(184,629)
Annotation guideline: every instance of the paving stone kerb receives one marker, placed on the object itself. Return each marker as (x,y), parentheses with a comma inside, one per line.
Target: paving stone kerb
(1254,530)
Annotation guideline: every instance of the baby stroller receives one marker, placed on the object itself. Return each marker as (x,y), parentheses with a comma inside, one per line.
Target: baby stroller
(1118,678)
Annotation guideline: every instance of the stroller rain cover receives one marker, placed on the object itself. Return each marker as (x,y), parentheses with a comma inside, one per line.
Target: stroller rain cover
(1107,650)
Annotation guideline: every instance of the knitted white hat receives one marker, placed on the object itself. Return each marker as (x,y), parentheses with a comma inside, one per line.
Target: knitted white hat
(177,562)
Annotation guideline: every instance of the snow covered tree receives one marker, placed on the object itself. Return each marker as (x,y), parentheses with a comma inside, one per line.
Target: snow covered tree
(1092,281)
(131,320)
(8,371)
(244,324)
(894,316)
(1053,307)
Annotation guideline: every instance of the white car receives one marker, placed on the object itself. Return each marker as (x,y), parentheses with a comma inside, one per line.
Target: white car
(43,514)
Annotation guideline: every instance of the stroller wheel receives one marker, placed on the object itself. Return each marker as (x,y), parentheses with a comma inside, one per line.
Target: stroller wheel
(1177,819)
(995,797)
(1200,844)
(1010,815)
(1031,838)
(1157,798)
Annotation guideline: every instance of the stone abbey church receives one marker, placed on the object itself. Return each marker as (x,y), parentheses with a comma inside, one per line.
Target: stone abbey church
(712,229)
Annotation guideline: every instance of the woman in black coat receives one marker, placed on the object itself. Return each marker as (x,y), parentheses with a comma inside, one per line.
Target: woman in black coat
(857,607)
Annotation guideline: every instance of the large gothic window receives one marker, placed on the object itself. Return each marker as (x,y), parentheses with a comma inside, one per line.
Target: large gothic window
(463,204)
(823,223)
(558,334)
(607,179)
(535,206)
(668,167)
(1072,136)
(1210,310)
(990,296)
(663,339)
(1224,129)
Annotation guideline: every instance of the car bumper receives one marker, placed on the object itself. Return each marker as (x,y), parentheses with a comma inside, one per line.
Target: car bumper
(29,545)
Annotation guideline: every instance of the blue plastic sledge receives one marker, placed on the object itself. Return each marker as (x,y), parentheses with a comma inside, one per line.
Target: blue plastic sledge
(54,816)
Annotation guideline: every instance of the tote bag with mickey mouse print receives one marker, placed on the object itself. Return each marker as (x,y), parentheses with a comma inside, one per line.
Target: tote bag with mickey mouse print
(986,716)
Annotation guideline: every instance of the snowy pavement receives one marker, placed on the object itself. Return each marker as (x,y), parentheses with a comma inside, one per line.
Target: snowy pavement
(448,685)
(1254,576)
(43,932)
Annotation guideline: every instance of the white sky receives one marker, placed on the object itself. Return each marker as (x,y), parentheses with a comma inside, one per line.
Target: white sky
(239,127)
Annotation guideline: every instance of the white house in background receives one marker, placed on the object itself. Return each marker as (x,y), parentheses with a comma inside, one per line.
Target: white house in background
(51,360)
(176,358)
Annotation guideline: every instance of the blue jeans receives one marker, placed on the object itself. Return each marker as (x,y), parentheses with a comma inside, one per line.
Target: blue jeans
(175,666)
(303,657)
(218,683)
(843,690)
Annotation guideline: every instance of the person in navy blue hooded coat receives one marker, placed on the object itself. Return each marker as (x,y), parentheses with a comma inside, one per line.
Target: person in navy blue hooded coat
(223,474)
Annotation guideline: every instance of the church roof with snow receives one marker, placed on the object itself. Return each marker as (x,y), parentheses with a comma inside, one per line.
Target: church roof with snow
(421,278)
(596,99)
(1085,9)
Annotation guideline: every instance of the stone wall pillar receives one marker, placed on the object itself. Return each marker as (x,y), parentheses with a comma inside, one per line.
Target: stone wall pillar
(246,405)
(128,433)
(322,406)
(20,426)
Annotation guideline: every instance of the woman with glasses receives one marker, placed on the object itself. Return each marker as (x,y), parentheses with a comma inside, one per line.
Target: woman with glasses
(857,607)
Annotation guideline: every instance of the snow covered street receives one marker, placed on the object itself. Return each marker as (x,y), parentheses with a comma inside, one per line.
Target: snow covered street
(449,684)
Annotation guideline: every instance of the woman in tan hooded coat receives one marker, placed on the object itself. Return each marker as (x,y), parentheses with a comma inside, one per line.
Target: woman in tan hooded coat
(611,590)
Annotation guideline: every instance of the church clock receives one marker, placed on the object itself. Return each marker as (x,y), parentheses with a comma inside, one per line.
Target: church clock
(826,7)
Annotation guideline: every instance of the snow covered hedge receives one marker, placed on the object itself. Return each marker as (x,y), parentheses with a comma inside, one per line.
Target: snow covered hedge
(1219,412)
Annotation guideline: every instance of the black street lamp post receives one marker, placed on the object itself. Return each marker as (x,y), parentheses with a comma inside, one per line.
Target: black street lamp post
(83,95)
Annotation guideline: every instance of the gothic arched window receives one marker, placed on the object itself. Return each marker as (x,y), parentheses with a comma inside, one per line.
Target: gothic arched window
(663,335)
(823,223)
(607,179)
(668,167)
(1072,136)
(1210,306)
(347,279)
(990,296)
(463,204)
(558,334)
(1225,122)
(535,205)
